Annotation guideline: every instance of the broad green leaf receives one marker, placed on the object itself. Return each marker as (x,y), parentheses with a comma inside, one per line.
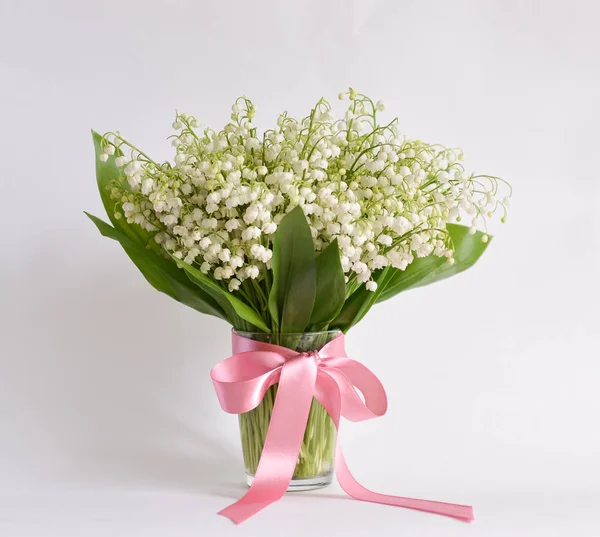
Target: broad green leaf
(107,173)
(229,302)
(292,295)
(331,286)
(161,273)
(361,301)
(426,270)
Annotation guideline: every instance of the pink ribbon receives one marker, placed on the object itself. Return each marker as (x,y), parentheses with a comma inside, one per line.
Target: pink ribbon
(333,379)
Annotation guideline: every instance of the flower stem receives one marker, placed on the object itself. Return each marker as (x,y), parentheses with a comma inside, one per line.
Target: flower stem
(317,451)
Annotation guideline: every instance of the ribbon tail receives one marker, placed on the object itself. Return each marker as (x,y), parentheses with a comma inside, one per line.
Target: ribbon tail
(283,440)
(329,394)
(356,490)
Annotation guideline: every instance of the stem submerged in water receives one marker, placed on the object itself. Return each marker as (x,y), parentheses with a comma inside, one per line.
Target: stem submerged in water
(318,446)
(317,452)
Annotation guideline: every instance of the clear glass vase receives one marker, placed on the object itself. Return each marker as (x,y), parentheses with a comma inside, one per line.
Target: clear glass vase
(317,454)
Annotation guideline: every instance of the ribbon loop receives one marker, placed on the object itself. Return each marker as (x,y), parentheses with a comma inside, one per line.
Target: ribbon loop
(337,382)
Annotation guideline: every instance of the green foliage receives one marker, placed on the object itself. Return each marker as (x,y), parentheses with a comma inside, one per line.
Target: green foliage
(331,287)
(360,302)
(107,175)
(422,271)
(233,306)
(160,270)
(161,273)
(304,291)
(426,270)
(292,295)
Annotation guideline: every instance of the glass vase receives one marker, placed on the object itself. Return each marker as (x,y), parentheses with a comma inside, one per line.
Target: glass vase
(314,468)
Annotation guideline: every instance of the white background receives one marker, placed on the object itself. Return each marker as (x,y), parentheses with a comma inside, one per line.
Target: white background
(108,421)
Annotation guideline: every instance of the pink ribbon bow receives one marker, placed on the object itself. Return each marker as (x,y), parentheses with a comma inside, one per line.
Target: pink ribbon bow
(333,379)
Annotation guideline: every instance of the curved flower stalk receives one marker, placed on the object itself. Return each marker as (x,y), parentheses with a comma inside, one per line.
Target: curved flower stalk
(302,227)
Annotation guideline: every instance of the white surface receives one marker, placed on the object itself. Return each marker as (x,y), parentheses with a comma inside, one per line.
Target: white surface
(108,421)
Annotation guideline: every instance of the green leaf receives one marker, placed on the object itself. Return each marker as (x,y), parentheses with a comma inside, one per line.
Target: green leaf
(229,302)
(292,295)
(426,270)
(107,173)
(331,286)
(361,301)
(161,273)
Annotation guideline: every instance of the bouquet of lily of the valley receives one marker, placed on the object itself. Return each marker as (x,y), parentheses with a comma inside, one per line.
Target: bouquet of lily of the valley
(293,234)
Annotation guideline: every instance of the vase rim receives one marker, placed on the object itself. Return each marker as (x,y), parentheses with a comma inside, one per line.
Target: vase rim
(246,333)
